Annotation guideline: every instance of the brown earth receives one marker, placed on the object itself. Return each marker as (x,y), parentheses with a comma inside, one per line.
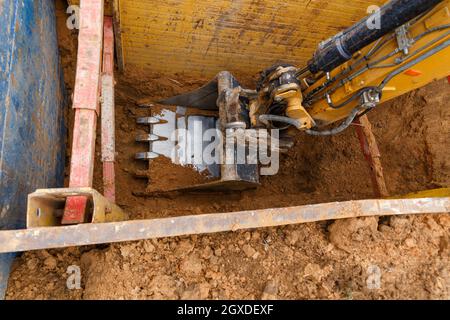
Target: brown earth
(320,260)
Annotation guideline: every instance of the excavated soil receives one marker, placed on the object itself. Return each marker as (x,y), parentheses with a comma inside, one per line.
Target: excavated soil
(326,260)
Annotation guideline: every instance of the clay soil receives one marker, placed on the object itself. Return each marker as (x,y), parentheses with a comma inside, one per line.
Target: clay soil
(327,260)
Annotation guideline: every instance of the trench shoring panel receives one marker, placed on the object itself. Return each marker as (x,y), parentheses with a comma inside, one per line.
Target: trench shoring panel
(204,37)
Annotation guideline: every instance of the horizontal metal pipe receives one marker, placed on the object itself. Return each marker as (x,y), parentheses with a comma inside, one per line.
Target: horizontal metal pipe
(95,233)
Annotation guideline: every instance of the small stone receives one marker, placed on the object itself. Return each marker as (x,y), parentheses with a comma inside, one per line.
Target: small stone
(136,290)
(192,265)
(399,223)
(50,263)
(329,247)
(218,252)
(163,287)
(270,291)
(248,250)
(256,236)
(293,237)
(410,242)
(207,252)
(50,286)
(125,251)
(214,260)
(443,245)
(384,228)
(32,263)
(184,247)
(311,270)
(343,233)
(314,271)
(432,224)
(197,292)
(148,246)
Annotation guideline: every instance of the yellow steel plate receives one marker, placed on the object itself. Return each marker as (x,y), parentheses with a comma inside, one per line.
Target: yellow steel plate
(202,38)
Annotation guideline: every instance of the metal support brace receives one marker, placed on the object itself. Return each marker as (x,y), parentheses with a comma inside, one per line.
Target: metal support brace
(107,115)
(45,206)
(86,103)
(372,154)
(95,233)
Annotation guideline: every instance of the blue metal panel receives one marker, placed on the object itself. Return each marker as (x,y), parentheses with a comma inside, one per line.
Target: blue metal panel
(32,102)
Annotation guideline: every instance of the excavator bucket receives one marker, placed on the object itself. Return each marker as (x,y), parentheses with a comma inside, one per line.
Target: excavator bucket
(166,136)
(204,98)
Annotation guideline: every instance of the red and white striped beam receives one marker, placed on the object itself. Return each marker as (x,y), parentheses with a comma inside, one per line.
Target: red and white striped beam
(86,104)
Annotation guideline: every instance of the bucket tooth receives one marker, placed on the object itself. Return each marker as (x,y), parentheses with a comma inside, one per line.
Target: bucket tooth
(144,104)
(147,138)
(146,155)
(148,120)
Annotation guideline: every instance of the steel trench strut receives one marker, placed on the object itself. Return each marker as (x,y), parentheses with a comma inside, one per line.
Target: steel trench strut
(86,104)
(95,233)
(107,114)
(372,155)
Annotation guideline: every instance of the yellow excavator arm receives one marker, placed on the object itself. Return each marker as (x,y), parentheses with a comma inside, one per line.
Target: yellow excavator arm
(402,46)
(412,56)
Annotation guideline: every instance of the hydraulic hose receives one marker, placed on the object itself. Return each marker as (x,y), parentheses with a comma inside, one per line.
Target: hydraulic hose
(339,129)
(265,118)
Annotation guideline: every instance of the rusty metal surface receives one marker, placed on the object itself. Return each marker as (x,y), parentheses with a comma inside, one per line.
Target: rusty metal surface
(45,206)
(86,93)
(89,56)
(107,114)
(86,101)
(33,102)
(88,234)
(75,211)
(107,119)
(372,155)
